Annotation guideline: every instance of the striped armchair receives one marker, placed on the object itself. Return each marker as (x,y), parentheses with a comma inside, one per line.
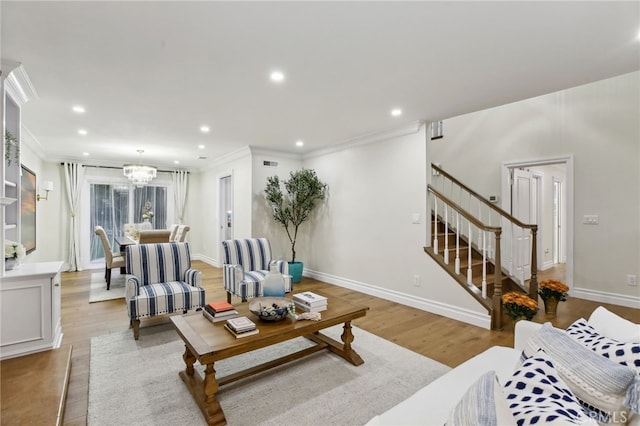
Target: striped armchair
(160,281)
(246,262)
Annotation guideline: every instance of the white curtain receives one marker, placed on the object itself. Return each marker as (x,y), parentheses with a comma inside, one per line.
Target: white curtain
(73,175)
(180,181)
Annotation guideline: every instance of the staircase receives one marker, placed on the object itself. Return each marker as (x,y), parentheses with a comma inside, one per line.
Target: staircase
(467,242)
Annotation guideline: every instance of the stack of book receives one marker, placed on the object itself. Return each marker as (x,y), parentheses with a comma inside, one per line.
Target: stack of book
(219,311)
(310,302)
(241,327)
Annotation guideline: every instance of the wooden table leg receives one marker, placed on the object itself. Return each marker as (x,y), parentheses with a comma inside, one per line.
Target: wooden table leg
(189,360)
(203,391)
(344,349)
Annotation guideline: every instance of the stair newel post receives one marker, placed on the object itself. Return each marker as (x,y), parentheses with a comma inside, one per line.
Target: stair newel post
(435,224)
(496,317)
(533,283)
(446,233)
(457,261)
(469,272)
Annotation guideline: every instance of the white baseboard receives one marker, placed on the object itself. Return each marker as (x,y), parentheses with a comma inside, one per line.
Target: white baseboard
(546,265)
(604,297)
(427,305)
(206,259)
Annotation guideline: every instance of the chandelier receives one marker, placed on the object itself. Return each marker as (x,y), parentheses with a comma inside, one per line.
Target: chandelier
(138,174)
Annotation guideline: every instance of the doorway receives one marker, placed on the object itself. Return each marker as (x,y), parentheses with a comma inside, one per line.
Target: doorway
(225,214)
(551,209)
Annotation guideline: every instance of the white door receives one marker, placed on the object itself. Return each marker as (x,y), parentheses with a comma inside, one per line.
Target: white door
(226,208)
(523,207)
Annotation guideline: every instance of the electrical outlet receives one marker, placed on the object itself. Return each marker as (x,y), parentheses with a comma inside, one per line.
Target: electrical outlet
(416,280)
(632,280)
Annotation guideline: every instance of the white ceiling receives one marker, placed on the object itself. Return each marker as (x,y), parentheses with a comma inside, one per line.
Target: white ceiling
(150,73)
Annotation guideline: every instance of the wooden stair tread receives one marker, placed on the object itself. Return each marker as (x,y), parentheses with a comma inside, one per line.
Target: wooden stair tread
(44,376)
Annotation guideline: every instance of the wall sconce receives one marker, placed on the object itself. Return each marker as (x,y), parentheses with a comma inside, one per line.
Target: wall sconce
(47,186)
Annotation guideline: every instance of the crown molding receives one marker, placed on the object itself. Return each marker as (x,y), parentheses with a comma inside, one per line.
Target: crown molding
(33,143)
(243,152)
(18,84)
(257,150)
(404,130)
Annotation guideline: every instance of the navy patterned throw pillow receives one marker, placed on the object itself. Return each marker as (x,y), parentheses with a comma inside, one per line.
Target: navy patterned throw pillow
(536,395)
(623,353)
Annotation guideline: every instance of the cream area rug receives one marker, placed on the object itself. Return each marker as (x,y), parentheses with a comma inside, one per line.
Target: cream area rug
(98,287)
(137,383)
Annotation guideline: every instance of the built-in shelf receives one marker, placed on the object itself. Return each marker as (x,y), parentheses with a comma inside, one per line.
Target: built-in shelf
(10,226)
(6,201)
(9,183)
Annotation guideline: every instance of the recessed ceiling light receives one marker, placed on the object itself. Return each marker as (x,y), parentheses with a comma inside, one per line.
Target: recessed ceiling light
(201,146)
(277,76)
(82,132)
(176,162)
(299,143)
(86,154)
(78,109)
(204,129)
(396,112)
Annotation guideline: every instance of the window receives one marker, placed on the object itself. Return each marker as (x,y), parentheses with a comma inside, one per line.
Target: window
(113,205)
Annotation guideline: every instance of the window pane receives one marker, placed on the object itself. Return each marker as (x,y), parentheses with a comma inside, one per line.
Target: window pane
(109,209)
(157,197)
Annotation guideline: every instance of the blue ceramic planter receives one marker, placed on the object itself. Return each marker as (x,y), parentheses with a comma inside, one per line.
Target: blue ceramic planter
(295,269)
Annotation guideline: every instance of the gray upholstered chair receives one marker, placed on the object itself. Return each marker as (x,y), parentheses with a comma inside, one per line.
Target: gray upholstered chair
(246,262)
(112,260)
(160,281)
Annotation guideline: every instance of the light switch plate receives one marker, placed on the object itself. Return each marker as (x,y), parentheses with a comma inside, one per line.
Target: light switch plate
(590,219)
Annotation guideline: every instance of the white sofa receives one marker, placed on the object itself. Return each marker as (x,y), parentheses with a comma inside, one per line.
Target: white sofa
(433,404)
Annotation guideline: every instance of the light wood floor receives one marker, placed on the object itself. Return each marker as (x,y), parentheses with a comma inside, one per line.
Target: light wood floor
(448,341)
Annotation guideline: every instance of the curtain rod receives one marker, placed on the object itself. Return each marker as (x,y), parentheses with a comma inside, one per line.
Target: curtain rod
(120,168)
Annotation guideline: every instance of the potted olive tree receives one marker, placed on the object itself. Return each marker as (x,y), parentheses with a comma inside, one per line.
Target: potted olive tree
(294,206)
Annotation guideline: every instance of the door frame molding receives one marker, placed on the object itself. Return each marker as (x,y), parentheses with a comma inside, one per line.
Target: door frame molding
(219,204)
(567,160)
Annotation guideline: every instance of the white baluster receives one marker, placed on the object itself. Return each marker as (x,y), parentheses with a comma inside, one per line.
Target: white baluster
(469,272)
(446,234)
(435,225)
(457,261)
(484,264)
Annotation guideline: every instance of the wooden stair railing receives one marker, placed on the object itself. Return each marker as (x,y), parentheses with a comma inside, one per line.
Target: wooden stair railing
(485,224)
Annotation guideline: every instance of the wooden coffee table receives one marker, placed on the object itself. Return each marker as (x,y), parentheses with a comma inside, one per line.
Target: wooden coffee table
(208,343)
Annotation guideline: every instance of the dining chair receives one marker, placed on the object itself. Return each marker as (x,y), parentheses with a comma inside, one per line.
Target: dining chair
(181,233)
(172,229)
(112,260)
(154,236)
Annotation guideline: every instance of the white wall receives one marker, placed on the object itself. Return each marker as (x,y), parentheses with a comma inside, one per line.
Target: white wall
(32,161)
(263,224)
(203,198)
(599,125)
(363,236)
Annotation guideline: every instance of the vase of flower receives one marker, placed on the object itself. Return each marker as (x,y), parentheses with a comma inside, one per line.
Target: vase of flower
(551,306)
(551,292)
(10,263)
(13,253)
(519,306)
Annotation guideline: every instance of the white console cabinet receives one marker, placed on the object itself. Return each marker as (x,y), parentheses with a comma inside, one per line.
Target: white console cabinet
(30,309)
